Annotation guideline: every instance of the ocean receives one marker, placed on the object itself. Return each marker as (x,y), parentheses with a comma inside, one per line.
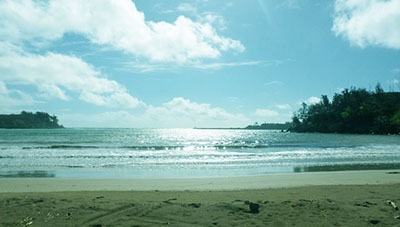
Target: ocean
(180,153)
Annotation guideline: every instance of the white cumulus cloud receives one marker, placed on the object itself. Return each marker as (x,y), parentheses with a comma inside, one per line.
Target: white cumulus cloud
(57,76)
(30,73)
(178,113)
(181,112)
(368,22)
(114,23)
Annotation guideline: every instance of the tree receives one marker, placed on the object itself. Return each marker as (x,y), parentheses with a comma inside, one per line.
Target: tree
(351,111)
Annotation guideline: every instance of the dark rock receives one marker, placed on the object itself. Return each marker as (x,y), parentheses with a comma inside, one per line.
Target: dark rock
(254,208)
(39,201)
(195,205)
(96,225)
(374,222)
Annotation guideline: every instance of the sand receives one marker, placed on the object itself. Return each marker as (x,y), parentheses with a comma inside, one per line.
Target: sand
(317,199)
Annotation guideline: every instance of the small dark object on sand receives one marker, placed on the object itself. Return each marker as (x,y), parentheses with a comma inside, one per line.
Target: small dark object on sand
(254,208)
(96,225)
(374,222)
(393,172)
(195,205)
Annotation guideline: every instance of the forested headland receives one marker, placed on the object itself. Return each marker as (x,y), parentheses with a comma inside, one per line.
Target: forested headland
(29,120)
(351,111)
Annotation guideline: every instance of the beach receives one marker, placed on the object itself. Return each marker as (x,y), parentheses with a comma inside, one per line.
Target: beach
(350,198)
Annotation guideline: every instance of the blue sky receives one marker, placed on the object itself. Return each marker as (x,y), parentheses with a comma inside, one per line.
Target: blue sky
(225,63)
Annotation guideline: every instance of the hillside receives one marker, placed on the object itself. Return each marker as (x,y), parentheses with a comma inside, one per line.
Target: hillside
(29,120)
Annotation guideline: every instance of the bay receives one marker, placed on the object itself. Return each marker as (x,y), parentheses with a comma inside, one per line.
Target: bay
(175,153)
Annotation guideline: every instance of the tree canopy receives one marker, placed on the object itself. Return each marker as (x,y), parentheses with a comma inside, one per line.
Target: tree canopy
(352,111)
(29,120)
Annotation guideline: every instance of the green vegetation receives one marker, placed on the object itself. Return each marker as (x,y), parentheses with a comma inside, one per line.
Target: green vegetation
(29,120)
(270,126)
(352,111)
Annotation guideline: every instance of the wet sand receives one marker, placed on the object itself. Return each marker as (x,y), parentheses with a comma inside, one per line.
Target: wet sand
(312,199)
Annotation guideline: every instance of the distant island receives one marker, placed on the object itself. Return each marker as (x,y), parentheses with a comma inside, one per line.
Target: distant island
(352,111)
(29,120)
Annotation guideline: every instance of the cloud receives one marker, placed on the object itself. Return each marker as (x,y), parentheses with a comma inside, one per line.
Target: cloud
(312,100)
(3,89)
(273,116)
(57,76)
(266,113)
(368,22)
(225,64)
(181,112)
(273,83)
(186,7)
(215,19)
(396,84)
(284,107)
(146,67)
(114,23)
(111,119)
(11,98)
(178,113)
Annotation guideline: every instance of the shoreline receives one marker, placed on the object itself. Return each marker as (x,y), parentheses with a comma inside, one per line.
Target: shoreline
(350,198)
(267,181)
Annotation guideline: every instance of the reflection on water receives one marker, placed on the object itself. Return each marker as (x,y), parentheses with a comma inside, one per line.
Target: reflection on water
(27,174)
(161,153)
(346,167)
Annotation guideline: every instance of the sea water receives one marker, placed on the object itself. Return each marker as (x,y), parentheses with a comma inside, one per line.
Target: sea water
(174,153)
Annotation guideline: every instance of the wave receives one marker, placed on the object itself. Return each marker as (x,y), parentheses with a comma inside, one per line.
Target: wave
(179,147)
(27,174)
(238,164)
(62,147)
(127,156)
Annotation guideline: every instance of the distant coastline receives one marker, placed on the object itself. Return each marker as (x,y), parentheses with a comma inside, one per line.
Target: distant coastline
(256,126)
(28,120)
(353,111)
(270,126)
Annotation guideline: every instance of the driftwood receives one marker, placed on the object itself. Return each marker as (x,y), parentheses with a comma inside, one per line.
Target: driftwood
(393,204)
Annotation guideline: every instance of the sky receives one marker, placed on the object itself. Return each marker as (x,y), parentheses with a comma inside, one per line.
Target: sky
(198,63)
